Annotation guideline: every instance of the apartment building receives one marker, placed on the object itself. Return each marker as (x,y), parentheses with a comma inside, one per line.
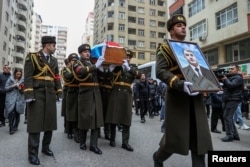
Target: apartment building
(138,25)
(61,41)
(35,43)
(87,36)
(15,31)
(221,29)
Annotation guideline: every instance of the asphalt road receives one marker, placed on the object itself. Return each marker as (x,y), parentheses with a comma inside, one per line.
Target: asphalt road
(144,139)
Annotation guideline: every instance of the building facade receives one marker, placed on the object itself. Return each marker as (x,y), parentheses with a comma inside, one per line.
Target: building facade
(36,33)
(138,25)
(87,36)
(15,31)
(61,41)
(220,28)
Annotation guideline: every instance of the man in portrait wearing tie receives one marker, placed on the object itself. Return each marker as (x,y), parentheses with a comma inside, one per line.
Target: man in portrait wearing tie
(200,76)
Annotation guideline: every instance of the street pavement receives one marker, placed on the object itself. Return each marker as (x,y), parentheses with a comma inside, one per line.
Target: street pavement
(144,139)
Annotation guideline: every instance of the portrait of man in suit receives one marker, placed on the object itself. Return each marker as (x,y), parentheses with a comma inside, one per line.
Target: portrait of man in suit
(201,76)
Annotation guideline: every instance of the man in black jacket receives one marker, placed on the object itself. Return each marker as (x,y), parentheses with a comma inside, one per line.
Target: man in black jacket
(232,96)
(142,95)
(3,78)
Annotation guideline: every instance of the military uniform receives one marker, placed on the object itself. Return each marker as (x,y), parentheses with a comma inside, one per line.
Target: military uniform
(64,95)
(119,110)
(42,84)
(193,132)
(72,102)
(90,114)
(105,81)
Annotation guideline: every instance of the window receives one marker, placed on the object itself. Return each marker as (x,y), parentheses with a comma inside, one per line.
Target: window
(141,21)
(152,23)
(131,31)
(4,46)
(161,13)
(132,8)
(152,34)
(132,42)
(141,44)
(140,10)
(152,56)
(121,15)
(238,51)
(198,30)
(7,16)
(131,19)
(152,2)
(110,26)
(211,56)
(161,35)
(110,37)
(152,45)
(195,7)
(121,39)
(121,2)
(161,24)
(152,12)
(140,32)
(141,55)
(227,16)
(140,1)
(121,27)
(110,14)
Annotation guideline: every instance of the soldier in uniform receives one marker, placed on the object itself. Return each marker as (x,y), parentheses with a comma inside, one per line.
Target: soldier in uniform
(105,76)
(64,95)
(72,103)
(193,133)
(42,85)
(90,114)
(119,109)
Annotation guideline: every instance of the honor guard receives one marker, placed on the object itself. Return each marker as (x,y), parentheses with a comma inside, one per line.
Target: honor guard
(90,114)
(119,110)
(42,85)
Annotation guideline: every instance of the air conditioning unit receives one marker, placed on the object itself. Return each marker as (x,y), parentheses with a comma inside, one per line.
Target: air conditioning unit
(202,38)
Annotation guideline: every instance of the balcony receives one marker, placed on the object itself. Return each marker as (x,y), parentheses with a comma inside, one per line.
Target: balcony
(18,65)
(23,4)
(21,35)
(20,55)
(20,44)
(22,14)
(22,24)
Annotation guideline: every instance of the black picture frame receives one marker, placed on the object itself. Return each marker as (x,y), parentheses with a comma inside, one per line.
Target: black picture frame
(188,55)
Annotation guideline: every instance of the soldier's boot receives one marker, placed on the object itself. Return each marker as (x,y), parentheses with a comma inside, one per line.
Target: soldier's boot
(83,135)
(76,135)
(125,138)
(112,135)
(159,157)
(107,131)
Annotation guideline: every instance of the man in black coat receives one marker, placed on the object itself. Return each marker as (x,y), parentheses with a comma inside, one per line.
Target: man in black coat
(3,78)
(232,96)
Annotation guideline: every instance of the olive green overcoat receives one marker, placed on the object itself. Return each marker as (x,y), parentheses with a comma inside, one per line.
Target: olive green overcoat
(41,84)
(186,121)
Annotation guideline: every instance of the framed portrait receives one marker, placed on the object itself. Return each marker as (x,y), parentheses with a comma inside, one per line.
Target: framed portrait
(194,66)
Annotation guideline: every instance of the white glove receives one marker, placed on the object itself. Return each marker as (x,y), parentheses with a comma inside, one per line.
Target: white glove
(221,84)
(30,100)
(126,65)
(101,68)
(99,61)
(186,89)
(111,67)
(219,92)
